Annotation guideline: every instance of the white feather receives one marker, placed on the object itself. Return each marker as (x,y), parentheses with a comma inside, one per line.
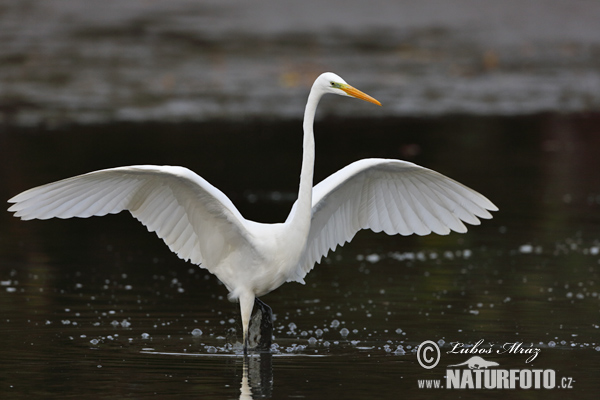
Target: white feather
(165,199)
(399,197)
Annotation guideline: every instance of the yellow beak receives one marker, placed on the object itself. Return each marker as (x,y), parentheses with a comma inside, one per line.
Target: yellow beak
(358,94)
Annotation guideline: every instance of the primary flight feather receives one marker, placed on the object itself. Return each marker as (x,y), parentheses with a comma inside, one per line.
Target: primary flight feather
(200,224)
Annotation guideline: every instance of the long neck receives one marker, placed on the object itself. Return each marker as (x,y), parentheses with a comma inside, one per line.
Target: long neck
(302,213)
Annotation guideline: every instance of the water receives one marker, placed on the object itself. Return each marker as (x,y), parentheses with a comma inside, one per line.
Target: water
(99,308)
(182,60)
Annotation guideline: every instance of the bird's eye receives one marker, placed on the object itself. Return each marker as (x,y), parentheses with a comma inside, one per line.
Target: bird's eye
(332,84)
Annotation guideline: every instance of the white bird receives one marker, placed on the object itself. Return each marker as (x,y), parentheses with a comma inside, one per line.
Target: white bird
(200,224)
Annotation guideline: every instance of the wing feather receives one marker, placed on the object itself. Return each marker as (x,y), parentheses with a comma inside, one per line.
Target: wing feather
(193,217)
(426,208)
(393,196)
(443,206)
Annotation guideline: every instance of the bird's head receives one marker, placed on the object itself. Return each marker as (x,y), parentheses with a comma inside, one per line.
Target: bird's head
(329,82)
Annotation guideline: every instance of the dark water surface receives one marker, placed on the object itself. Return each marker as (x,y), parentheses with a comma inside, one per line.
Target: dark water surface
(99,308)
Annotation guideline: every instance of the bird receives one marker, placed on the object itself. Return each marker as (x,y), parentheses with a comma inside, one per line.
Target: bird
(200,223)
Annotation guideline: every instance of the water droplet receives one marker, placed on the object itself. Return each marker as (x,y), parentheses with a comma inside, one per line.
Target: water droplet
(211,349)
(373,258)
(526,249)
(196,332)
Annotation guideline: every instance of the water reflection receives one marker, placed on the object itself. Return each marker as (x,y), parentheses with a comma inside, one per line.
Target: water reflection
(245,390)
(257,377)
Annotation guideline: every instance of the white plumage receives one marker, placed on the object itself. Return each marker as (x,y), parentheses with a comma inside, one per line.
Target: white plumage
(200,224)
(393,196)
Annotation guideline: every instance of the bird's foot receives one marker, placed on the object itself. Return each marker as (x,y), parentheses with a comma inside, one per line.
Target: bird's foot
(260,332)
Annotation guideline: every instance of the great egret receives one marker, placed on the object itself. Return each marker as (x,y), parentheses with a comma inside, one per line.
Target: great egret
(200,224)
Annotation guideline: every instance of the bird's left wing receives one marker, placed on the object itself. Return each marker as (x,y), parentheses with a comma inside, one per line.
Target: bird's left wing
(195,219)
(393,196)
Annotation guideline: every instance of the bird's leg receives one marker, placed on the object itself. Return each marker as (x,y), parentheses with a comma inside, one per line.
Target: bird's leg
(266,325)
(246,305)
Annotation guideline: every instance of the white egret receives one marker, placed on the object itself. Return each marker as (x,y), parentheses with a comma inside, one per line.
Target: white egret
(200,224)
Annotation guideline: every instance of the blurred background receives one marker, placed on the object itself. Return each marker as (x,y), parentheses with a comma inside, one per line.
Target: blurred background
(183,60)
(501,96)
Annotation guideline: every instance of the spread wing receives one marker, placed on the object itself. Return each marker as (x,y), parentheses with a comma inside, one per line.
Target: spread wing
(195,219)
(392,196)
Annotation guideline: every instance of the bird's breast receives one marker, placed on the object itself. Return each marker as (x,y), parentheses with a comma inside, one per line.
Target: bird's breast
(265,263)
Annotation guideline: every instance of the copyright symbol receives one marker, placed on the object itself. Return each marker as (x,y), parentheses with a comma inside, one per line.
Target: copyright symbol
(428,354)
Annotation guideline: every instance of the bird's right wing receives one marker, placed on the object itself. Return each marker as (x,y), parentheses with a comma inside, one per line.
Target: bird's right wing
(393,196)
(195,219)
